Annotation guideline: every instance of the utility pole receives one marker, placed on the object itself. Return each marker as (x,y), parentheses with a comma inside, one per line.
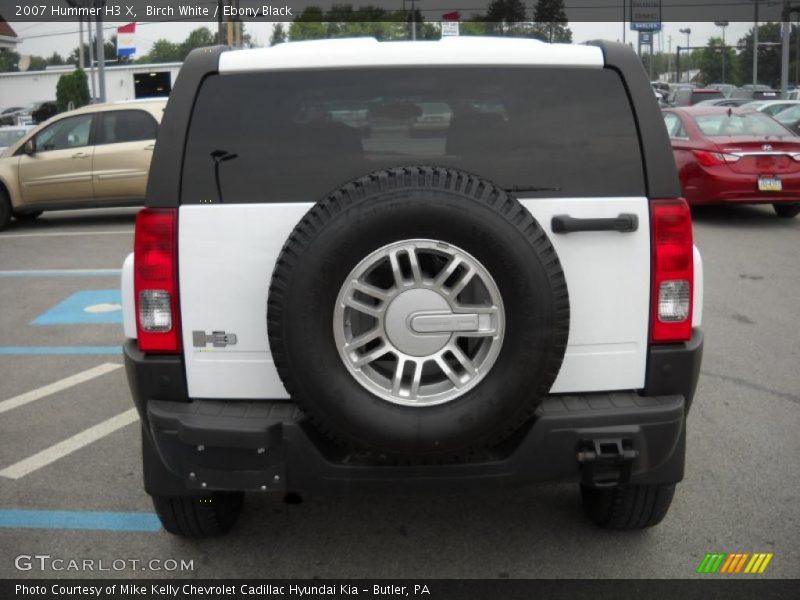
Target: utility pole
(219,21)
(624,18)
(722,25)
(81,62)
(101,56)
(92,77)
(755,44)
(669,58)
(786,32)
(797,54)
(229,31)
(688,32)
(413,20)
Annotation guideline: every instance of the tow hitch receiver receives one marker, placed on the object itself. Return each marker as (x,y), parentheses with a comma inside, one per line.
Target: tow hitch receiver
(606,462)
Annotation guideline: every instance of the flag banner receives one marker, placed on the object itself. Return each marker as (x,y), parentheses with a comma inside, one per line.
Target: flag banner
(126,45)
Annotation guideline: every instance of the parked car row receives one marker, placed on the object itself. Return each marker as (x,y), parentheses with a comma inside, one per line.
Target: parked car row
(722,94)
(32,114)
(726,150)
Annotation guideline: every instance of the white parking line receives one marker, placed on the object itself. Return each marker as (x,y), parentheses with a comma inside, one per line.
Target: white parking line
(58,386)
(70,445)
(31,273)
(7,236)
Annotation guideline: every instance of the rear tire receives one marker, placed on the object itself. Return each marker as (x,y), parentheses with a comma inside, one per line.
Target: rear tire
(627,507)
(787,211)
(27,216)
(200,516)
(5,209)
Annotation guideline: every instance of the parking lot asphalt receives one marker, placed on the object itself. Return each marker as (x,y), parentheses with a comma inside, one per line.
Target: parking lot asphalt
(68,443)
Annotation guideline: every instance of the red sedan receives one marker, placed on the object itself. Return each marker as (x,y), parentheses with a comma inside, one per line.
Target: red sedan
(730,155)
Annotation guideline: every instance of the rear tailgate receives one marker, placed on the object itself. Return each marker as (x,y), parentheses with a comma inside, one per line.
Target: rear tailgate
(226,260)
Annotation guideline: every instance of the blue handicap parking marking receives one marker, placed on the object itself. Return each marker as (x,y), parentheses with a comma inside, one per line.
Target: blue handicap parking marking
(73,519)
(85,307)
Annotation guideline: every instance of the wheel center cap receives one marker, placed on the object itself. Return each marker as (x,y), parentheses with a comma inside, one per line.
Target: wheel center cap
(406,326)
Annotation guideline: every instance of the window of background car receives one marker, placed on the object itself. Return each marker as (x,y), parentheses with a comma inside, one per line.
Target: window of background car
(674,125)
(295,136)
(700,96)
(739,125)
(126,126)
(70,132)
(10,136)
(788,116)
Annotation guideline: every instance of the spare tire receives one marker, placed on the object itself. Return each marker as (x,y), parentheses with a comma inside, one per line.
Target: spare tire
(418,312)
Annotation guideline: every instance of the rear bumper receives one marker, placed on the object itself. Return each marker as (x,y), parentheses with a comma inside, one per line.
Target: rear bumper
(722,185)
(197,446)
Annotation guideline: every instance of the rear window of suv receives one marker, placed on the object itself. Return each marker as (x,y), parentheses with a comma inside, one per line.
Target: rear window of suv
(280,136)
(700,96)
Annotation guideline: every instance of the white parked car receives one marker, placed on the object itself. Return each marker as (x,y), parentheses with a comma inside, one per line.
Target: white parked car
(771,107)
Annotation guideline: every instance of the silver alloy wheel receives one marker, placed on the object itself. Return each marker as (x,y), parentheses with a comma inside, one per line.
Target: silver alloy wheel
(419,322)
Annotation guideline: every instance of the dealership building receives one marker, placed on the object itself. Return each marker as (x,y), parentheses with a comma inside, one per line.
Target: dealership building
(123,82)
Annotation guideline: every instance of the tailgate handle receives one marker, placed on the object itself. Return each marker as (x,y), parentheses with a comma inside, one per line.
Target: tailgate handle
(624,223)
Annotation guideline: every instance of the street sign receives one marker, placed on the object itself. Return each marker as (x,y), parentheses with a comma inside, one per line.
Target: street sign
(646,26)
(645,15)
(450,23)
(645,37)
(449,28)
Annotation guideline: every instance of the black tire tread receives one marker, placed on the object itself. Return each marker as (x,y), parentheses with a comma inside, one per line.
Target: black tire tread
(199,516)
(787,211)
(27,216)
(445,179)
(628,507)
(5,209)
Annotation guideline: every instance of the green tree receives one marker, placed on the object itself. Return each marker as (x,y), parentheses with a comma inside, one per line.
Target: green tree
(506,17)
(278,35)
(72,88)
(367,21)
(8,61)
(163,51)
(308,25)
(198,38)
(506,11)
(769,57)
(109,52)
(710,62)
(551,21)
(55,59)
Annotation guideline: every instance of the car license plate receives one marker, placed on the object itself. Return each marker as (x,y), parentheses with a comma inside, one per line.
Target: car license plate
(769,184)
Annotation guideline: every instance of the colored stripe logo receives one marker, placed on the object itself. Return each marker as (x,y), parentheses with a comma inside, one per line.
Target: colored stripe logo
(723,563)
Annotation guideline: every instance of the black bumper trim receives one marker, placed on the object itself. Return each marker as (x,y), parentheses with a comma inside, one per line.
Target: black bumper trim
(675,368)
(216,445)
(268,446)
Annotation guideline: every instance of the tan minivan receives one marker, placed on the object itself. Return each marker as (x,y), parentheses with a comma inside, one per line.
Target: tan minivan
(96,156)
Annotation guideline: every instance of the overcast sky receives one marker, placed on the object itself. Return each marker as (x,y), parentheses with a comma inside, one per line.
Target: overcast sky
(45,38)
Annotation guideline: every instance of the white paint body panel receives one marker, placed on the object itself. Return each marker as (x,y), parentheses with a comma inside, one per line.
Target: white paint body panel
(608,278)
(128,299)
(368,52)
(697,295)
(227,254)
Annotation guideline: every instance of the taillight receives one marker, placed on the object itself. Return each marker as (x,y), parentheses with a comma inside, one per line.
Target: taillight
(712,159)
(155,280)
(673,271)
